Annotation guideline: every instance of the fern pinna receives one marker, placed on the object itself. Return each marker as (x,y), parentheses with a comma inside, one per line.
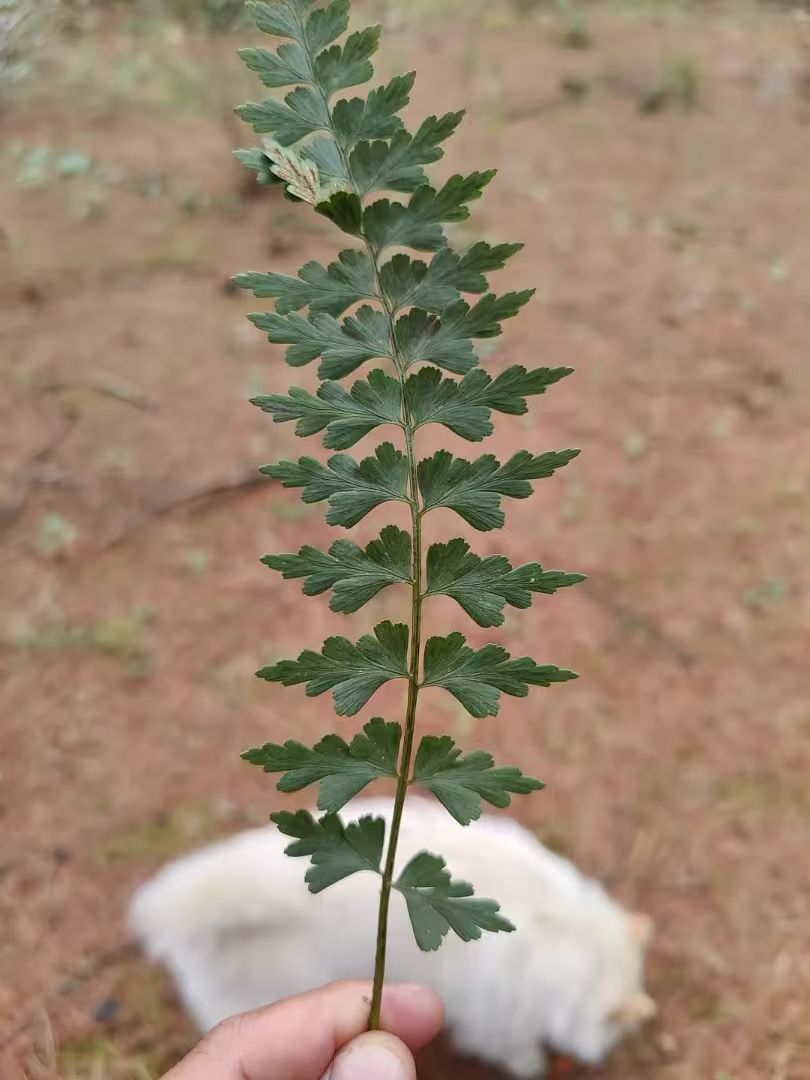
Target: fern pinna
(339,154)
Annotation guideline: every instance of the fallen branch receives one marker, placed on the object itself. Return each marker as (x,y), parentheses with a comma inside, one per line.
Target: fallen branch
(108,385)
(226,487)
(20,480)
(633,620)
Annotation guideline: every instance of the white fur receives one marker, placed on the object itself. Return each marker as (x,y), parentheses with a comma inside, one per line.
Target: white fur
(237,927)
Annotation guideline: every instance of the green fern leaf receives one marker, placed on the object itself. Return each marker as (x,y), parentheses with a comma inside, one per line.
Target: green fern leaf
(375,117)
(336,850)
(418,222)
(288,66)
(344,346)
(437,904)
(356,574)
(323,24)
(460,783)
(342,769)
(465,406)
(408,282)
(302,112)
(286,18)
(347,65)
(315,28)
(474,488)
(353,489)
(343,209)
(483,587)
(446,340)
(477,678)
(347,417)
(353,672)
(396,165)
(331,289)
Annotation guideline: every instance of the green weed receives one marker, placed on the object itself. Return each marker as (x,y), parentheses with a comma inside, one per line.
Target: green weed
(123,637)
(167,835)
(679,86)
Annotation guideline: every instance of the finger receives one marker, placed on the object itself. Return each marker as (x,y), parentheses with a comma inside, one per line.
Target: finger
(376,1055)
(298,1038)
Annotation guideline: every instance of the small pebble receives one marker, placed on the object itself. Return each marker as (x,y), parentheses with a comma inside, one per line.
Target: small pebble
(106,1010)
(667,1043)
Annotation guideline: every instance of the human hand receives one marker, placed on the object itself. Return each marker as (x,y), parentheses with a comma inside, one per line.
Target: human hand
(319,1036)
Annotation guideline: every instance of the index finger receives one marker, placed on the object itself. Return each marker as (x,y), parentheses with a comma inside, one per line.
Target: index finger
(297,1039)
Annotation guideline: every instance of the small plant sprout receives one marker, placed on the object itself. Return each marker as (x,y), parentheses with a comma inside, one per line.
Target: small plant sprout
(344,155)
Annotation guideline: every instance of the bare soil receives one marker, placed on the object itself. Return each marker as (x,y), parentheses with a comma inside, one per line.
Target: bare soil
(659,178)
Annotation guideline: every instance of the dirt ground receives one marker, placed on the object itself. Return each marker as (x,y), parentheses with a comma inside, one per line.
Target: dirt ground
(659,177)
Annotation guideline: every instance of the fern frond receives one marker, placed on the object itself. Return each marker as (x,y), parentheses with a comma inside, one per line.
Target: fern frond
(416,319)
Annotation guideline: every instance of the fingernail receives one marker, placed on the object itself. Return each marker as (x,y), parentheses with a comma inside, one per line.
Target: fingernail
(375,1056)
(417,989)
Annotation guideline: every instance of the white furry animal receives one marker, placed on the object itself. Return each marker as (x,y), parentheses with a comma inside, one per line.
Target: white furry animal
(237,927)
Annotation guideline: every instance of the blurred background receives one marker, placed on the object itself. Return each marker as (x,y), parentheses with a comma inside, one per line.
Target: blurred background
(654,156)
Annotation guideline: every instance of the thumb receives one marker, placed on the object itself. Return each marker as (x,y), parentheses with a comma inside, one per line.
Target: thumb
(375,1055)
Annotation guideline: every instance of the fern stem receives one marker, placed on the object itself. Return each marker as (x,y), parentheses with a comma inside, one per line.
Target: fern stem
(408,740)
(404,765)
(416,630)
(404,769)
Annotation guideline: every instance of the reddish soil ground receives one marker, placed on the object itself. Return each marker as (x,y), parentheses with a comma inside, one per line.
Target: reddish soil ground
(659,180)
